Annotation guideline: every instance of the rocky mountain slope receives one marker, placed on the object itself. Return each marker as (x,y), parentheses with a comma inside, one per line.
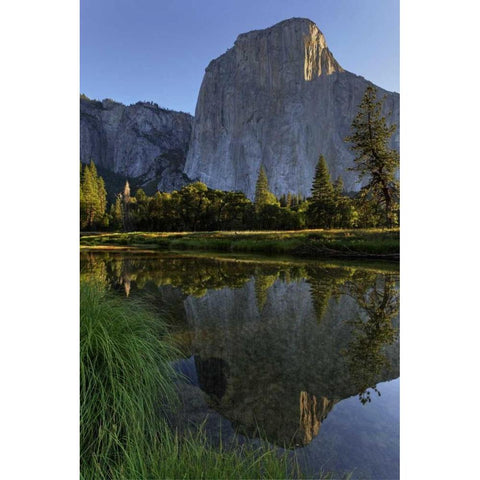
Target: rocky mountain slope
(278,98)
(141,141)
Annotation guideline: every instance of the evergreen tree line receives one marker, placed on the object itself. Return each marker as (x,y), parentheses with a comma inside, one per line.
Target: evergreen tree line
(196,207)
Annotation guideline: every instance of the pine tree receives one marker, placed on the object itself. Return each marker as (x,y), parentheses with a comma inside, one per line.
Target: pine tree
(345,215)
(93,197)
(374,158)
(322,204)
(261,189)
(116,213)
(88,205)
(83,203)
(102,197)
(263,195)
(338,186)
(141,196)
(289,200)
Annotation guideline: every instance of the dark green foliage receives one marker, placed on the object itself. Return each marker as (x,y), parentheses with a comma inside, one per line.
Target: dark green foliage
(262,284)
(271,214)
(324,285)
(238,212)
(116,214)
(329,207)
(345,214)
(263,195)
(140,195)
(274,217)
(372,331)
(321,209)
(322,189)
(193,204)
(369,212)
(374,159)
(291,200)
(196,207)
(138,210)
(283,201)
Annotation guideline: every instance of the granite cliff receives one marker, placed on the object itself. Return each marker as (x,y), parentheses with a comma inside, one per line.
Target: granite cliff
(141,141)
(278,98)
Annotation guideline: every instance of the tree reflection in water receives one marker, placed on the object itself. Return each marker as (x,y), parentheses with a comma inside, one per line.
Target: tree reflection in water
(275,344)
(326,283)
(378,298)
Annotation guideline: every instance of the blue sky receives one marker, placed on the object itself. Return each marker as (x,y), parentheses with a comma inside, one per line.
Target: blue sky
(157,50)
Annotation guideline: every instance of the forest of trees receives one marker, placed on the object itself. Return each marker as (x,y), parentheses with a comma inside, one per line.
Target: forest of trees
(196,207)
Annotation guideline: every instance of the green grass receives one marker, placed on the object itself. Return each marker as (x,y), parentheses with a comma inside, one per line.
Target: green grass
(367,243)
(125,380)
(127,386)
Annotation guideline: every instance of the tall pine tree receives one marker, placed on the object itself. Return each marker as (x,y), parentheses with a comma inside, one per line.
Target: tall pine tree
(374,158)
(93,198)
(116,213)
(263,195)
(321,209)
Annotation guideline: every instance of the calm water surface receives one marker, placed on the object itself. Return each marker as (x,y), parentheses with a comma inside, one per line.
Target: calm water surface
(303,355)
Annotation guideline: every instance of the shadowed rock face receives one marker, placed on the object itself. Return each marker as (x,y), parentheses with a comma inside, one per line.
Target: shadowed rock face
(278,98)
(138,141)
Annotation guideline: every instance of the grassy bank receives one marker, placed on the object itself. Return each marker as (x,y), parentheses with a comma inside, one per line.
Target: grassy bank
(371,243)
(127,386)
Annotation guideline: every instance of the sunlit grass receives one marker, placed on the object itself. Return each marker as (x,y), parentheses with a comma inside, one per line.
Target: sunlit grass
(247,233)
(310,243)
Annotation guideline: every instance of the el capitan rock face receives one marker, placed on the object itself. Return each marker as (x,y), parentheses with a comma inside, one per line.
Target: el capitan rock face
(278,98)
(137,141)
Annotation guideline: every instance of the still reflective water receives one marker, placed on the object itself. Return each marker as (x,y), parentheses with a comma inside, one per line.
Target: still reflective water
(301,354)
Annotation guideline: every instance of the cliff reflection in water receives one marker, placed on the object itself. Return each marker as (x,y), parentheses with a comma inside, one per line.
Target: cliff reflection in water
(275,345)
